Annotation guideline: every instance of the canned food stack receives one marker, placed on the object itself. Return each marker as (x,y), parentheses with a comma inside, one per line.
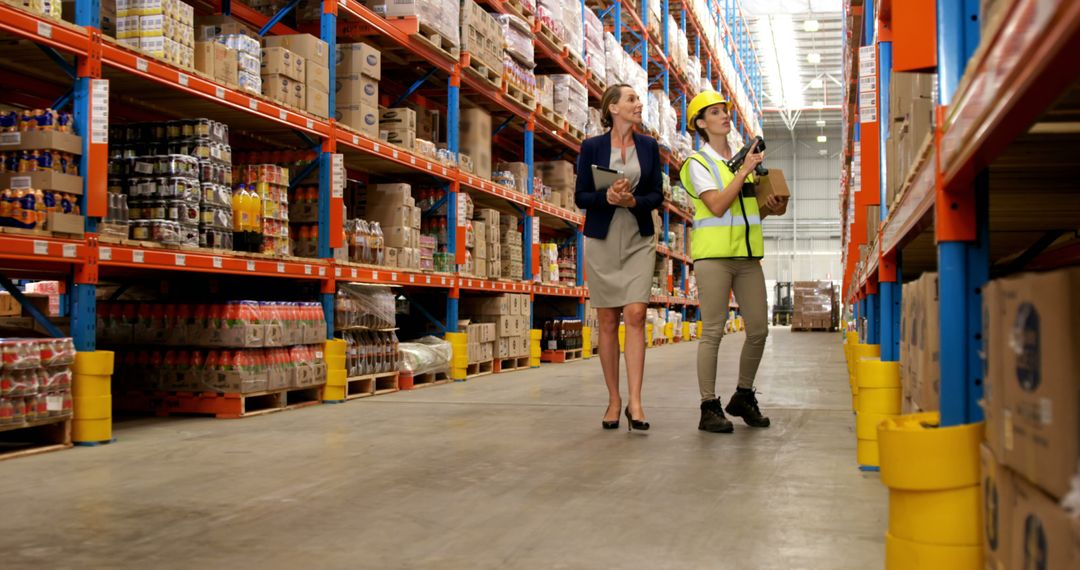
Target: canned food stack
(35,380)
(161,28)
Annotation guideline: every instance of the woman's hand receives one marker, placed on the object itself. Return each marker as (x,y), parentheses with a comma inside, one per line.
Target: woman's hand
(618,194)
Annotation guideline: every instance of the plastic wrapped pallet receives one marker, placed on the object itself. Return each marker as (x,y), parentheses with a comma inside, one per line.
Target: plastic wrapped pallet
(518,38)
(428,354)
(614,71)
(573,26)
(518,75)
(545,91)
(550,14)
(596,57)
(593,127)
(443,16)
(571,99)
(813,305)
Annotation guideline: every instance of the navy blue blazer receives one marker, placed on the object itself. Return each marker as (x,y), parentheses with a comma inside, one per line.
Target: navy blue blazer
(649,192)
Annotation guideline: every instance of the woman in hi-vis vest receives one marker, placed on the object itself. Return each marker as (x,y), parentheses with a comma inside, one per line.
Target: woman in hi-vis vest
(620,256)
(727,246)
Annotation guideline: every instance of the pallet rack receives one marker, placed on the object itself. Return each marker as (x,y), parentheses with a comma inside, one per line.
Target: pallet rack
(50,53)
(951,212)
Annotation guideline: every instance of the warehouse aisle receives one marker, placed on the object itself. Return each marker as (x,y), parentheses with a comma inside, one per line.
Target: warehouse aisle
(506,471)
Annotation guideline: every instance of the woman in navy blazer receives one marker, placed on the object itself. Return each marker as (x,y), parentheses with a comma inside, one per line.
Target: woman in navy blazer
(620,257)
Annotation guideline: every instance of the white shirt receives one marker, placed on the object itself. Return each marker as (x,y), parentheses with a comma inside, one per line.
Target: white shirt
(702,177)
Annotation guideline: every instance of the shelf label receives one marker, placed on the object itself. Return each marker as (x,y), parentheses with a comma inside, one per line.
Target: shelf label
(413,159)
(219,92)
(105,254)
(375,148)
(394,153)
(322,272)
(428,280)
(412,278)
(374,275)
(216,262)
(337,272)
(141,64)
(536,230)
(444,281)
(281,268)
(41,247)
(44,30)
(283,114)
(182,79)
(251,266)
(69,250)
(137,256)
(393,277)
(54,403)
(307,269)
(355,139)
(20,182)
(7,139)
(253,104)
(181,260)
(354,274)
(310,124)
(99,111)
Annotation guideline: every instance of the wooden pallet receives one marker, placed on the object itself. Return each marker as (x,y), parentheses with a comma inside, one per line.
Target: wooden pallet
(516,8)
(425,380)
(232,406)
(32,438)
(369,385)
(478,369)
(436,40)
(574,60)
(560,356)
(479,70)
(549,115)
(543,31)
(511,364)
(575,133)
(520,97)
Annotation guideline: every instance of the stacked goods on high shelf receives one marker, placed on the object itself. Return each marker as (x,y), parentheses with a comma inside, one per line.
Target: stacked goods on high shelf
(364,317)
(512,175)
(39,172)
(679,49)
(559,176)
(356,103)
(562,334)
(388,217)
(595,59)
(163,29)
(621,67)
(545,93)
(235,347)
(487,251)
(571,100)
(594,126)
(911,107)
(475,141)
(653,18)
(481,36)
(815,306)
(511,249)
(510,316)
(51,9)
(693,75)
(398,126)
(294,72)
(660,116)
(35,381)
(518,38)
(920,370)
(176,177)
(563,18)
(244,53)
(558,263)
(268,186)
(441,16)
(1031,400)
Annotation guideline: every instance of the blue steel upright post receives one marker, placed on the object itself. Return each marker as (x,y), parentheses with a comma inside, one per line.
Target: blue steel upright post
(328,34)
(889,290)
(453,118)
(84,295)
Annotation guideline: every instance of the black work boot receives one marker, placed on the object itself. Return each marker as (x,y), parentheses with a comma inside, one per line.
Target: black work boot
(744,405)
(712,418)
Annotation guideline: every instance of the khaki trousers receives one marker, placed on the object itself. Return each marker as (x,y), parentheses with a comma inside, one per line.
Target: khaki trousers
(716,279)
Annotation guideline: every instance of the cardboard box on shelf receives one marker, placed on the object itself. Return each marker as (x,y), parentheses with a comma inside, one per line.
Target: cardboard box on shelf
(520,170)
(399,236)
(280,61)
(1040,364)
(282,89)
(427,125)
(318,102)
(306,46)
(556,173)
(1042,533)
(399,119)
(390,256)
(48,180)
(996,501)
(993,334)
(404,139)
(317,76)
(395,215)
(209,27)
(363,118)
(357,89)
(773,185)
(395,193)
(359,58)
(41,140)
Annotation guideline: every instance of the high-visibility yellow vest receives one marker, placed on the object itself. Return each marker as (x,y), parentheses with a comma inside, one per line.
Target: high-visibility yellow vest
(736,234)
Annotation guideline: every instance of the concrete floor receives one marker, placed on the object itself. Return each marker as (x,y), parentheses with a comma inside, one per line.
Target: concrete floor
(505,471)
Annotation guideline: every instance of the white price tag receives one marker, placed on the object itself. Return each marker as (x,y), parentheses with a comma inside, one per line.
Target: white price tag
(393,277)
(251,266)
(44,30)
(219,92)
(253,104)
(281,268)
(310,124)
(69,250)
(427,280)
(7,139)
(322,272)
(181,260)
(354,274)
(216,262)
(137,256)
(141,64)
(413,159)
(412,278)
(307,269)
(105,254)
(283,114)
(375,148)
(182,79)
(20,182)
(356,140)
(443,281)
(394,154)
(41,247)
(337,272)
(54,403)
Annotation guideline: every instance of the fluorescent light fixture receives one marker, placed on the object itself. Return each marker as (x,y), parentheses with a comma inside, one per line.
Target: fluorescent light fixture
(821,122)
(813,58)
(811,26)
(822,139)
(776,43)
(823,152)
(817,83)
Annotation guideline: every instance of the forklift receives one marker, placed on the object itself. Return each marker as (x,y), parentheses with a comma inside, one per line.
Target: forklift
(783,308)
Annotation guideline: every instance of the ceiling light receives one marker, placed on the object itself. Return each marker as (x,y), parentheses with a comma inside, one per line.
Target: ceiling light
(813,58)
(822,139)
(811,26)
(817,83)
(819,104)
(823,152)
(821,122)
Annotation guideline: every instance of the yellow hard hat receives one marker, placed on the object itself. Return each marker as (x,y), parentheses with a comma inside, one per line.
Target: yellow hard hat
(702,101)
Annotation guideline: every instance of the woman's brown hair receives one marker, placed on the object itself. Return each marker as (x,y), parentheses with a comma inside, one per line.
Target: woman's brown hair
(611,96)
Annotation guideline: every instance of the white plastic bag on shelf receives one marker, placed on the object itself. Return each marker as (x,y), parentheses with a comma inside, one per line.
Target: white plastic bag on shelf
(428,354)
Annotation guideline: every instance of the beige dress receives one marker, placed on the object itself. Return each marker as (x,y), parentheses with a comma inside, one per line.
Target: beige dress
(620,267)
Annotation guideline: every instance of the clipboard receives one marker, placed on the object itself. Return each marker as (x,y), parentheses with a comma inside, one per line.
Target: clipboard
(603,178)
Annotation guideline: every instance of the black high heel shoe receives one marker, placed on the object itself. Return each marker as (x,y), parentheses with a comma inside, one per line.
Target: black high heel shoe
(635,424)
(610,424)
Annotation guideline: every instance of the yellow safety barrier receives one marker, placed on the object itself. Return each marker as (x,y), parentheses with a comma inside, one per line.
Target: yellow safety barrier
(685,331)
(622,338)
(669,331)
(876,398)
(648,336)
(459,350)
(535,336)
(91,392)
(699,327)
(586,342)
(934,511)
(336,373)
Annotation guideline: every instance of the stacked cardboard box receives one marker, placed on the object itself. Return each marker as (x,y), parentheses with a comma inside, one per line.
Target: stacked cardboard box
(442,16)
(481,36)
(559,176)
(911,110)
(398,126)
(294,71)
(475,140)
(217,61)
(920,371)
(359,68)
(545,92)
(511,249)
(519,171)
(813,305)
(162,28)
(1032,406)
(482,341)
(510,316)
(393,206)
(487,227)
(571,100)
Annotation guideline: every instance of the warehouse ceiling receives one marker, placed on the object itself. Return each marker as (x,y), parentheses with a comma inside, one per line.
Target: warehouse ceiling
(805,89)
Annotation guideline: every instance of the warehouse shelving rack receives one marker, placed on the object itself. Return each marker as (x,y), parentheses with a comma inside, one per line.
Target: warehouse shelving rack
(951,212)
(39,68)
